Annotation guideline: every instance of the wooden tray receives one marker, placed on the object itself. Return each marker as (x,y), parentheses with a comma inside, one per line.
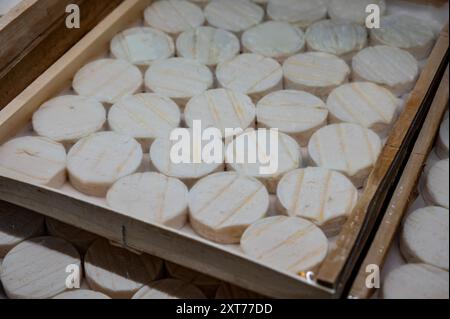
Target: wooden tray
(183,247)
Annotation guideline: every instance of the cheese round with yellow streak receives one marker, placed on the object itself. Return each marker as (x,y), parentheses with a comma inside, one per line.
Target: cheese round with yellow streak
(301,13)
(169,289)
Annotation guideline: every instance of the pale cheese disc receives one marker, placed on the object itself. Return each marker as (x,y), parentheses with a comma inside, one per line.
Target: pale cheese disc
(36,160)
(405,32)
(301,13)
(117,272)
(251,74)
(320,195)
(7,5)
(36,268)
(169,289)
(142,45)
(222,206)
(178,78)
(99,160)
(227,291)
(425,237)
(287,243)
(315,72)
(393,68)
(442,140)
(208,45)
(81,294)
(68,118)
(174,16)
(145,117)
(416,281)
(353,10)
(233,15)
(364,103)
(221,108)
(16,225)
(347,148)
(296,113)
(151,197)
(436,188)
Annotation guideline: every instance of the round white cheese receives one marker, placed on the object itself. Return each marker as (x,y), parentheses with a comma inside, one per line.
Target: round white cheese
(296,113)
(117,272)
(353,10)
(169,289)
(251,74)
(315,72)
(288,243)
(81,294)
(436,188)
(36,268)
(442,140)
(393,68)
(227,291)
(347,148)
(151,197)
(200,3)
(301,13)
(7,5)
(99,160)
(36,160)
(222,206)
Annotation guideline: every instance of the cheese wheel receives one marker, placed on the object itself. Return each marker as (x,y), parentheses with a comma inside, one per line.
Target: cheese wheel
(251,74)
(233,15)
(353,10)
(108,80)
(178,78)
(320,195)
(81,239)
(221,108)
(36,268)
(207,45)
(315,72)
(274,39)
(81,294)
(142,45)
(301,13)
(68,118)
(36,160)
(145,117)
(416,281)
(223,205)
(296,113)
(442,140)
(287,243)
(16,225)
(99,160)
(347,148)
(117,272)
(227,291)
(405,32)
(393,68)
(174,16)
(7,5)
(169,289)
(341,38)
(271,164)
(425,237)
(364,103)
(150,197)
(436,188)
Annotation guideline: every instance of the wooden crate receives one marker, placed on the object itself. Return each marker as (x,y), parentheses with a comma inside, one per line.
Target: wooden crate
(184,248)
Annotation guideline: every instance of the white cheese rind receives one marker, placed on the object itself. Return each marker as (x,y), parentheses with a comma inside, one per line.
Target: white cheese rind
(436,188)
(443,139)
(353,10)
(301,13)
(81,294)
(169,289)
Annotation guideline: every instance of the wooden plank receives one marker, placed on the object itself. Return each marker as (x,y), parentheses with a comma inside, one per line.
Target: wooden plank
(406,191)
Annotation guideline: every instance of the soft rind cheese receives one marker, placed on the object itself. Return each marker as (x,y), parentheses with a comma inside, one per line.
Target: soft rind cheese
(315,72)
(81,294)
(223,205)
(442,139)
(169,289)
(227,291)
(274,39)
(393,68)
(425,237)
(117,272)
(436,188)
(151,197)
(96,162)
(291,244)
(347,148)
(36,160)
(296,113)
(174,16)
(320,195)
(251,74)
(68,118)
(233,15)
(208,45)
(142,45)
(301,13)
(405,32)
(36,268)
(416,281)
(353,10)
